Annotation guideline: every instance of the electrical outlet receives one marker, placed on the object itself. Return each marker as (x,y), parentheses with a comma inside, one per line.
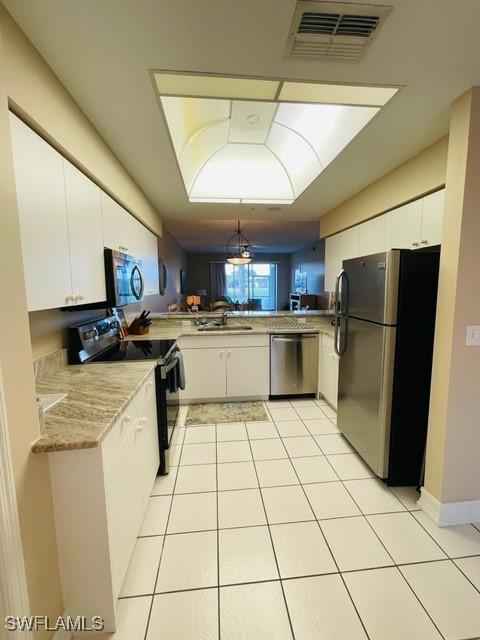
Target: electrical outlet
(473,335)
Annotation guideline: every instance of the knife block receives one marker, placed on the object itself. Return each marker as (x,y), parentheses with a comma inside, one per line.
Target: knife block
(138,329)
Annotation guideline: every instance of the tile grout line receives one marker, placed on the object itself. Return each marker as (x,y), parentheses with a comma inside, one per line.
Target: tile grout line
(329,549)
(163,546)
(286,579)
(361,514)
(395,565)
(218,536)
(386,550)
(270,532)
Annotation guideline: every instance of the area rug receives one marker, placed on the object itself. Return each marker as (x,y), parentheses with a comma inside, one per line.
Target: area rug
(211,413)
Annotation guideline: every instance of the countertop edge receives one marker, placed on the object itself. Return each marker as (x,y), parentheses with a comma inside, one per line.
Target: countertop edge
(48,444)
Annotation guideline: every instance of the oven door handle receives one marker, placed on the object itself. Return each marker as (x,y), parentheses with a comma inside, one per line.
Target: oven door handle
(166,368)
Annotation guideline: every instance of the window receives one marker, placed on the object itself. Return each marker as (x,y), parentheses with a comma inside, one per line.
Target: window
(255,281)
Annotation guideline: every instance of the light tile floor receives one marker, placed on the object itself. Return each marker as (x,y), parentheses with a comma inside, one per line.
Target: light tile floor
(277,530)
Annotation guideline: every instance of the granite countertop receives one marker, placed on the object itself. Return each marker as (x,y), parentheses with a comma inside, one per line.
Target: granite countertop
(161,330)
(96,395)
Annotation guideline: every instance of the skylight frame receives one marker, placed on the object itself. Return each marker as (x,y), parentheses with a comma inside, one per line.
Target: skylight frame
(390,92)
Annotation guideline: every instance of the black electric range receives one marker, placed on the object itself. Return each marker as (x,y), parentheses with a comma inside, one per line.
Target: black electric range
(99,340)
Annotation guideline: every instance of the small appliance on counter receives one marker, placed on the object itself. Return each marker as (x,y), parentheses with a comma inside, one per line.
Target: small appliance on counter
(99,340)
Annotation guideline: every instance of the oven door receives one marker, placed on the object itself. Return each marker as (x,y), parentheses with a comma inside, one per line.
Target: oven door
(172,400)
(127,280)
(168,405)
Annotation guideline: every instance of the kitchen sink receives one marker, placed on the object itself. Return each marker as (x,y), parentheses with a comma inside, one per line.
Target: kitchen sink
(224,327)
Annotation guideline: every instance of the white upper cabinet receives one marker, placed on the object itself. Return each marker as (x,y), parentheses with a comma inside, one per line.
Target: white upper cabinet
(342,246)
(372,236)
(39,177)
(85,236)
(122,232)
(65,222)
(117,226)
(150,263)
(403,226)
(415,225)
(432,218)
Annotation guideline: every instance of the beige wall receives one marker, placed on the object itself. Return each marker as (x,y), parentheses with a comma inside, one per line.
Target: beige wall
(417,176)
(453,468)
(31,471)
(29,86)
(38,96)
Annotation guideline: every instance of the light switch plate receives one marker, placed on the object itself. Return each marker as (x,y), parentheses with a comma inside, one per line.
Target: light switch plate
(473,335)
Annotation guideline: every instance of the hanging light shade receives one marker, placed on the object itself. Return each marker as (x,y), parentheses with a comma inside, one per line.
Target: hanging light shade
(239,250)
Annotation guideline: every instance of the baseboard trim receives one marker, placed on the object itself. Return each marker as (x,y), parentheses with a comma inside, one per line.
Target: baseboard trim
(446,514)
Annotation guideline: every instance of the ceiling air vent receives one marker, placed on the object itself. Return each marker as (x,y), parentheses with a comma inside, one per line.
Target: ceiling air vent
(334,31)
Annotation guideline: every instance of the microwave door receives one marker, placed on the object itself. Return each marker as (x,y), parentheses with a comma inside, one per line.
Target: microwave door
(136,282)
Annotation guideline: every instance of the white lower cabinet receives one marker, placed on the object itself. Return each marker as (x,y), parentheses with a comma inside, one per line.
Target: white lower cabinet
(328,370)
(248,372)
(218,367)
(100,496)
(205,373)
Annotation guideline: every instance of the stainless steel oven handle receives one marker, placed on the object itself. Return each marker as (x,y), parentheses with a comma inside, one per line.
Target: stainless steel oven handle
(166,368)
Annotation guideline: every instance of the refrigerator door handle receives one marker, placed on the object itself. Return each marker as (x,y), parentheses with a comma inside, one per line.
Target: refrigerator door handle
(341,313)
(339,342)
(337,294)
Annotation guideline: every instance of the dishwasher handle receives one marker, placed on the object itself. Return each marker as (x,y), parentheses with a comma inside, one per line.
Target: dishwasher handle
(294,339)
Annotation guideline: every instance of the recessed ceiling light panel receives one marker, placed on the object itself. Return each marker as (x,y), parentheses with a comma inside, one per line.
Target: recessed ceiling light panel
(234,150)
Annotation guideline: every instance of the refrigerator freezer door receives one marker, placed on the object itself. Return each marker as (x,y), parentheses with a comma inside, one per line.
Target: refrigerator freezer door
(373,286)
(365,391)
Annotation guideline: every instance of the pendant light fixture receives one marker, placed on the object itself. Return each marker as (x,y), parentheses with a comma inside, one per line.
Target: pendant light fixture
(239,250)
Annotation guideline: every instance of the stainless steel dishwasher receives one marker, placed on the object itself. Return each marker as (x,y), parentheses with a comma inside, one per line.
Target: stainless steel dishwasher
(293,364)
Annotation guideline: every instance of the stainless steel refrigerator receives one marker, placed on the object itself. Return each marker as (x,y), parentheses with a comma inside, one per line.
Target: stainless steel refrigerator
(384,331)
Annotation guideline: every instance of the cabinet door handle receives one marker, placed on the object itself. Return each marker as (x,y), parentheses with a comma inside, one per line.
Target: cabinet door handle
(126,418)
(69,298)
(415,244)
(424,242)
(229,353)
(149,385)
(222,353)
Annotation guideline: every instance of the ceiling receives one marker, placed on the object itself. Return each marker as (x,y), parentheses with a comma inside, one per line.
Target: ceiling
(266,236)
(103,51)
